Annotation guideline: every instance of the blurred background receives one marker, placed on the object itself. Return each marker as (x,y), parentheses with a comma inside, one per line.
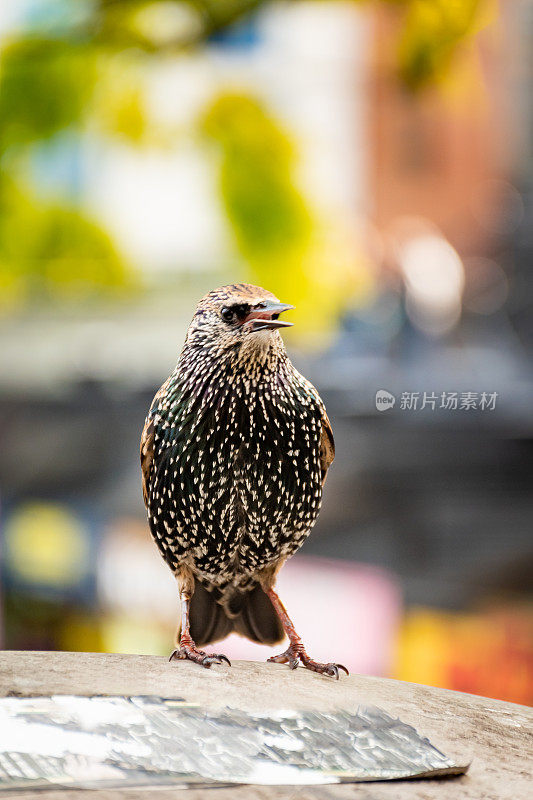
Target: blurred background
(369,162)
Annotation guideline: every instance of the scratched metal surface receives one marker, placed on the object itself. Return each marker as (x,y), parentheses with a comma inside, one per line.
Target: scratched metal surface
(93,742)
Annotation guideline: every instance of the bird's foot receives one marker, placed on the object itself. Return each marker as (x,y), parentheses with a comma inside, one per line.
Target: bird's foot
(295,654)
(191,653)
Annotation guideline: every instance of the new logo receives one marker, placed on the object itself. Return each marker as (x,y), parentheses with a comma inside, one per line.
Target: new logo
(384,400)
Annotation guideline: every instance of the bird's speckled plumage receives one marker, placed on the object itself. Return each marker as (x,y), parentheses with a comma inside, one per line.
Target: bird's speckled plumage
(234,451)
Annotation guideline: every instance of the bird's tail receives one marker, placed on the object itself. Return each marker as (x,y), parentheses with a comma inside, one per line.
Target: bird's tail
(250,614)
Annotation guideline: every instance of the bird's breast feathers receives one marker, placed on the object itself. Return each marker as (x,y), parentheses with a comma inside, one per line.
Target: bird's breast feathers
(236,475)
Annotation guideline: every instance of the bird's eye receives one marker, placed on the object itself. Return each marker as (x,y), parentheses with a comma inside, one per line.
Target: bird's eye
(227,314)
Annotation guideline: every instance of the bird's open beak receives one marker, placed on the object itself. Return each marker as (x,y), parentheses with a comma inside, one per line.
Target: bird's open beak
(265,316)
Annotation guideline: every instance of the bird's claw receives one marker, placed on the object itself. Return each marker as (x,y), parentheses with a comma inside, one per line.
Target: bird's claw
(294,656)
(214,658)
(222,658)
(198,656)
(329,669)
(287,657)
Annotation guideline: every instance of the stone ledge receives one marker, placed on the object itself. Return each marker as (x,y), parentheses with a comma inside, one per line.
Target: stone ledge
(495,735)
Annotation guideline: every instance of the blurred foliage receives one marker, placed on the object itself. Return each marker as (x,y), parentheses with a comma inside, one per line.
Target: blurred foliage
(256,176)
(49,247)
(80,65)
(51,250)
(429,31)
(45,86)
(118,102)
(432,31)
(274,228)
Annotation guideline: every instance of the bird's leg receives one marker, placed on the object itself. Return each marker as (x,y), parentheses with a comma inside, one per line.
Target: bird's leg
(187,648)
(295,652)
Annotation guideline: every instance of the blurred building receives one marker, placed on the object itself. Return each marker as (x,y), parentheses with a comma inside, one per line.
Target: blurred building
(446,154)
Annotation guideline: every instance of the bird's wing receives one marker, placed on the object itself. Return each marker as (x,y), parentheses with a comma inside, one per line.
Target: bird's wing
(148,442)
(147,455)
(327,446)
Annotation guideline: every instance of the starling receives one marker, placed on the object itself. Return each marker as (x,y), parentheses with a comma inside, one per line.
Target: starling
(234,455)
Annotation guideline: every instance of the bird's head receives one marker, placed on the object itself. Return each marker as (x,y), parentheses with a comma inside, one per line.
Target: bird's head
(238,314)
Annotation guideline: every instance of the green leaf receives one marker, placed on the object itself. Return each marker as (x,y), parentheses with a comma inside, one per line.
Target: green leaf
(52,250)
(45,85)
